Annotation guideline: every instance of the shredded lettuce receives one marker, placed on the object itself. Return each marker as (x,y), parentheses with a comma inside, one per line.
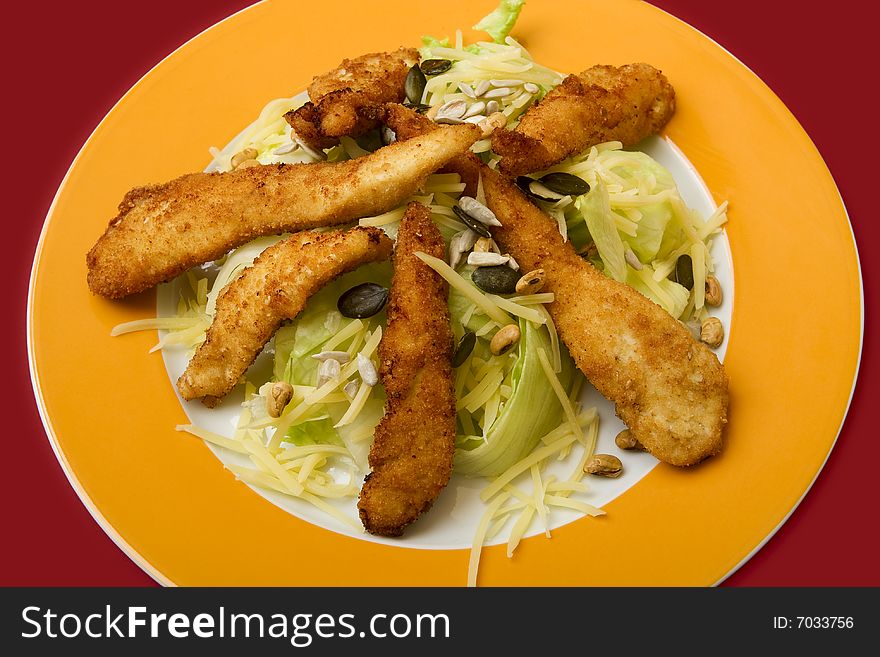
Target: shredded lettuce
(595,208)
(499,23)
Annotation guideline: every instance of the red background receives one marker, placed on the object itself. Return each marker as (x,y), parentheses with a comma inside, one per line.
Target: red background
(64,66)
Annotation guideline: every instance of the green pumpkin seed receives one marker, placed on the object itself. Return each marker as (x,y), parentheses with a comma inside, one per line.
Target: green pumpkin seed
(684,271)
(471,223)
(364,300)
(418,107)
(435,66)
(464,348)
(499,279)
(414,85)
(565,184)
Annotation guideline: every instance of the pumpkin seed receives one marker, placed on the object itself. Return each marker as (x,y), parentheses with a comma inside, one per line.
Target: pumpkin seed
(565,184)
(684,271)
(464,348)
(435,66)
(414,85)
(364,300)
(495,280)
(420,108)
(471,223)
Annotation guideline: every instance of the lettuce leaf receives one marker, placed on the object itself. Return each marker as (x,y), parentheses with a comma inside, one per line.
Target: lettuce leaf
(499,23)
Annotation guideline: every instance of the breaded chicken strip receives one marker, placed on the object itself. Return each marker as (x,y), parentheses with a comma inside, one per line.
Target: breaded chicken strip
(406,124)
(601,104)
(669,389)
(339,98)
(163,230)
(274,289)
(411,455)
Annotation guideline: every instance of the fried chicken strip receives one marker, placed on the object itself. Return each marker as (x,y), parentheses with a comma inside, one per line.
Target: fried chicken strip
(411,455)
(601,104)
(669,389)
(163,230)
(340,97)
(406,124)
(274,289)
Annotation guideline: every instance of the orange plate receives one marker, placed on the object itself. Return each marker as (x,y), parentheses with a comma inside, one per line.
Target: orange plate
(110,410)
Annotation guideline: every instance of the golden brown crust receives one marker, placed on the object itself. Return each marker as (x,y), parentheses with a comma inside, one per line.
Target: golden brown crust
(407,123)
(274,289)
(411,455)
(340,97)
(669,389)
(604,103)
(163,230)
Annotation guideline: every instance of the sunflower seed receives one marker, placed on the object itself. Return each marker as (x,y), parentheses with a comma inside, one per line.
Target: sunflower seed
(475,119)
(467,89)
(478,211)
(339,356)
(284,149)
(482,88)
(513,264)
(316,154)
(461,243)
(367,370)
(500,92)
(476,108)
(505,83)
(487,259)
(633,259)
(350,389)
(328,371)
(454,109)
(448,120)
(531,87)
(492,106)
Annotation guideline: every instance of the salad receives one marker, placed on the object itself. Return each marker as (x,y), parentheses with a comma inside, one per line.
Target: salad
(517,411)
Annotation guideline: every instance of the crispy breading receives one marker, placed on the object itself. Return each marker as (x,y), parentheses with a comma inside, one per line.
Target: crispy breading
(340,97)
(406,124)
(163,230)
(603,103)
(411,455)
(274,289)
(669,389)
